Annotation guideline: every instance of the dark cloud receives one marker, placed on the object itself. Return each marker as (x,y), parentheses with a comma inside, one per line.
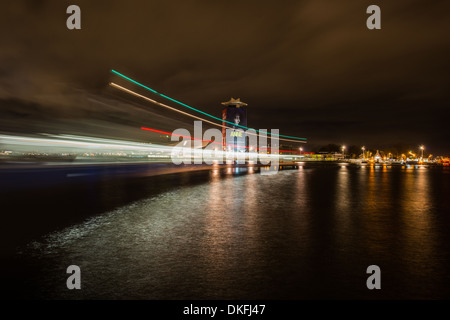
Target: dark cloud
(309,68)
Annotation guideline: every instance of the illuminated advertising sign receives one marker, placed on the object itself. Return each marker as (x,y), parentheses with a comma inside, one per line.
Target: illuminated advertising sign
(235,139)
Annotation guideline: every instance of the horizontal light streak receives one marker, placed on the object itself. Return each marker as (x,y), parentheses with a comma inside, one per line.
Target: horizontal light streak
(222,144)
(115,85)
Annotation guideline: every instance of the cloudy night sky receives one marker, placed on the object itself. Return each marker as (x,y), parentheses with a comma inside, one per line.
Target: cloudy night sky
(309,68)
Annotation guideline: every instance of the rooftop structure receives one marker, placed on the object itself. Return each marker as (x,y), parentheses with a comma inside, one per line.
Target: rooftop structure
(235,102)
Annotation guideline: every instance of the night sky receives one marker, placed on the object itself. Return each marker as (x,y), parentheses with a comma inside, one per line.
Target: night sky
(309,68)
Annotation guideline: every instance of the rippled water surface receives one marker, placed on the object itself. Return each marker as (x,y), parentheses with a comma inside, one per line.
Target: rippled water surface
(298,234)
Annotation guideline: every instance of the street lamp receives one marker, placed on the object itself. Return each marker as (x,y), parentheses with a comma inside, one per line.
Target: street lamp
(422,148)
(364,155)
(343,152)
(301,149)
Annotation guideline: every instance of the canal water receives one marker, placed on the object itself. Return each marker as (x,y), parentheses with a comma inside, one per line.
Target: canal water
(308,233)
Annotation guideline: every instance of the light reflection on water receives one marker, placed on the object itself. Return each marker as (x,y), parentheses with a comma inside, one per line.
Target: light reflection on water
(307,233)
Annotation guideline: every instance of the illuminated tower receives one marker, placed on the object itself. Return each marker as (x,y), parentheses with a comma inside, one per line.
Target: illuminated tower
(234,115)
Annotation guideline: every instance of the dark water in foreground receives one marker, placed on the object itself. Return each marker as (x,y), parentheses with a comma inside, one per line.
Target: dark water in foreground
(300,234)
